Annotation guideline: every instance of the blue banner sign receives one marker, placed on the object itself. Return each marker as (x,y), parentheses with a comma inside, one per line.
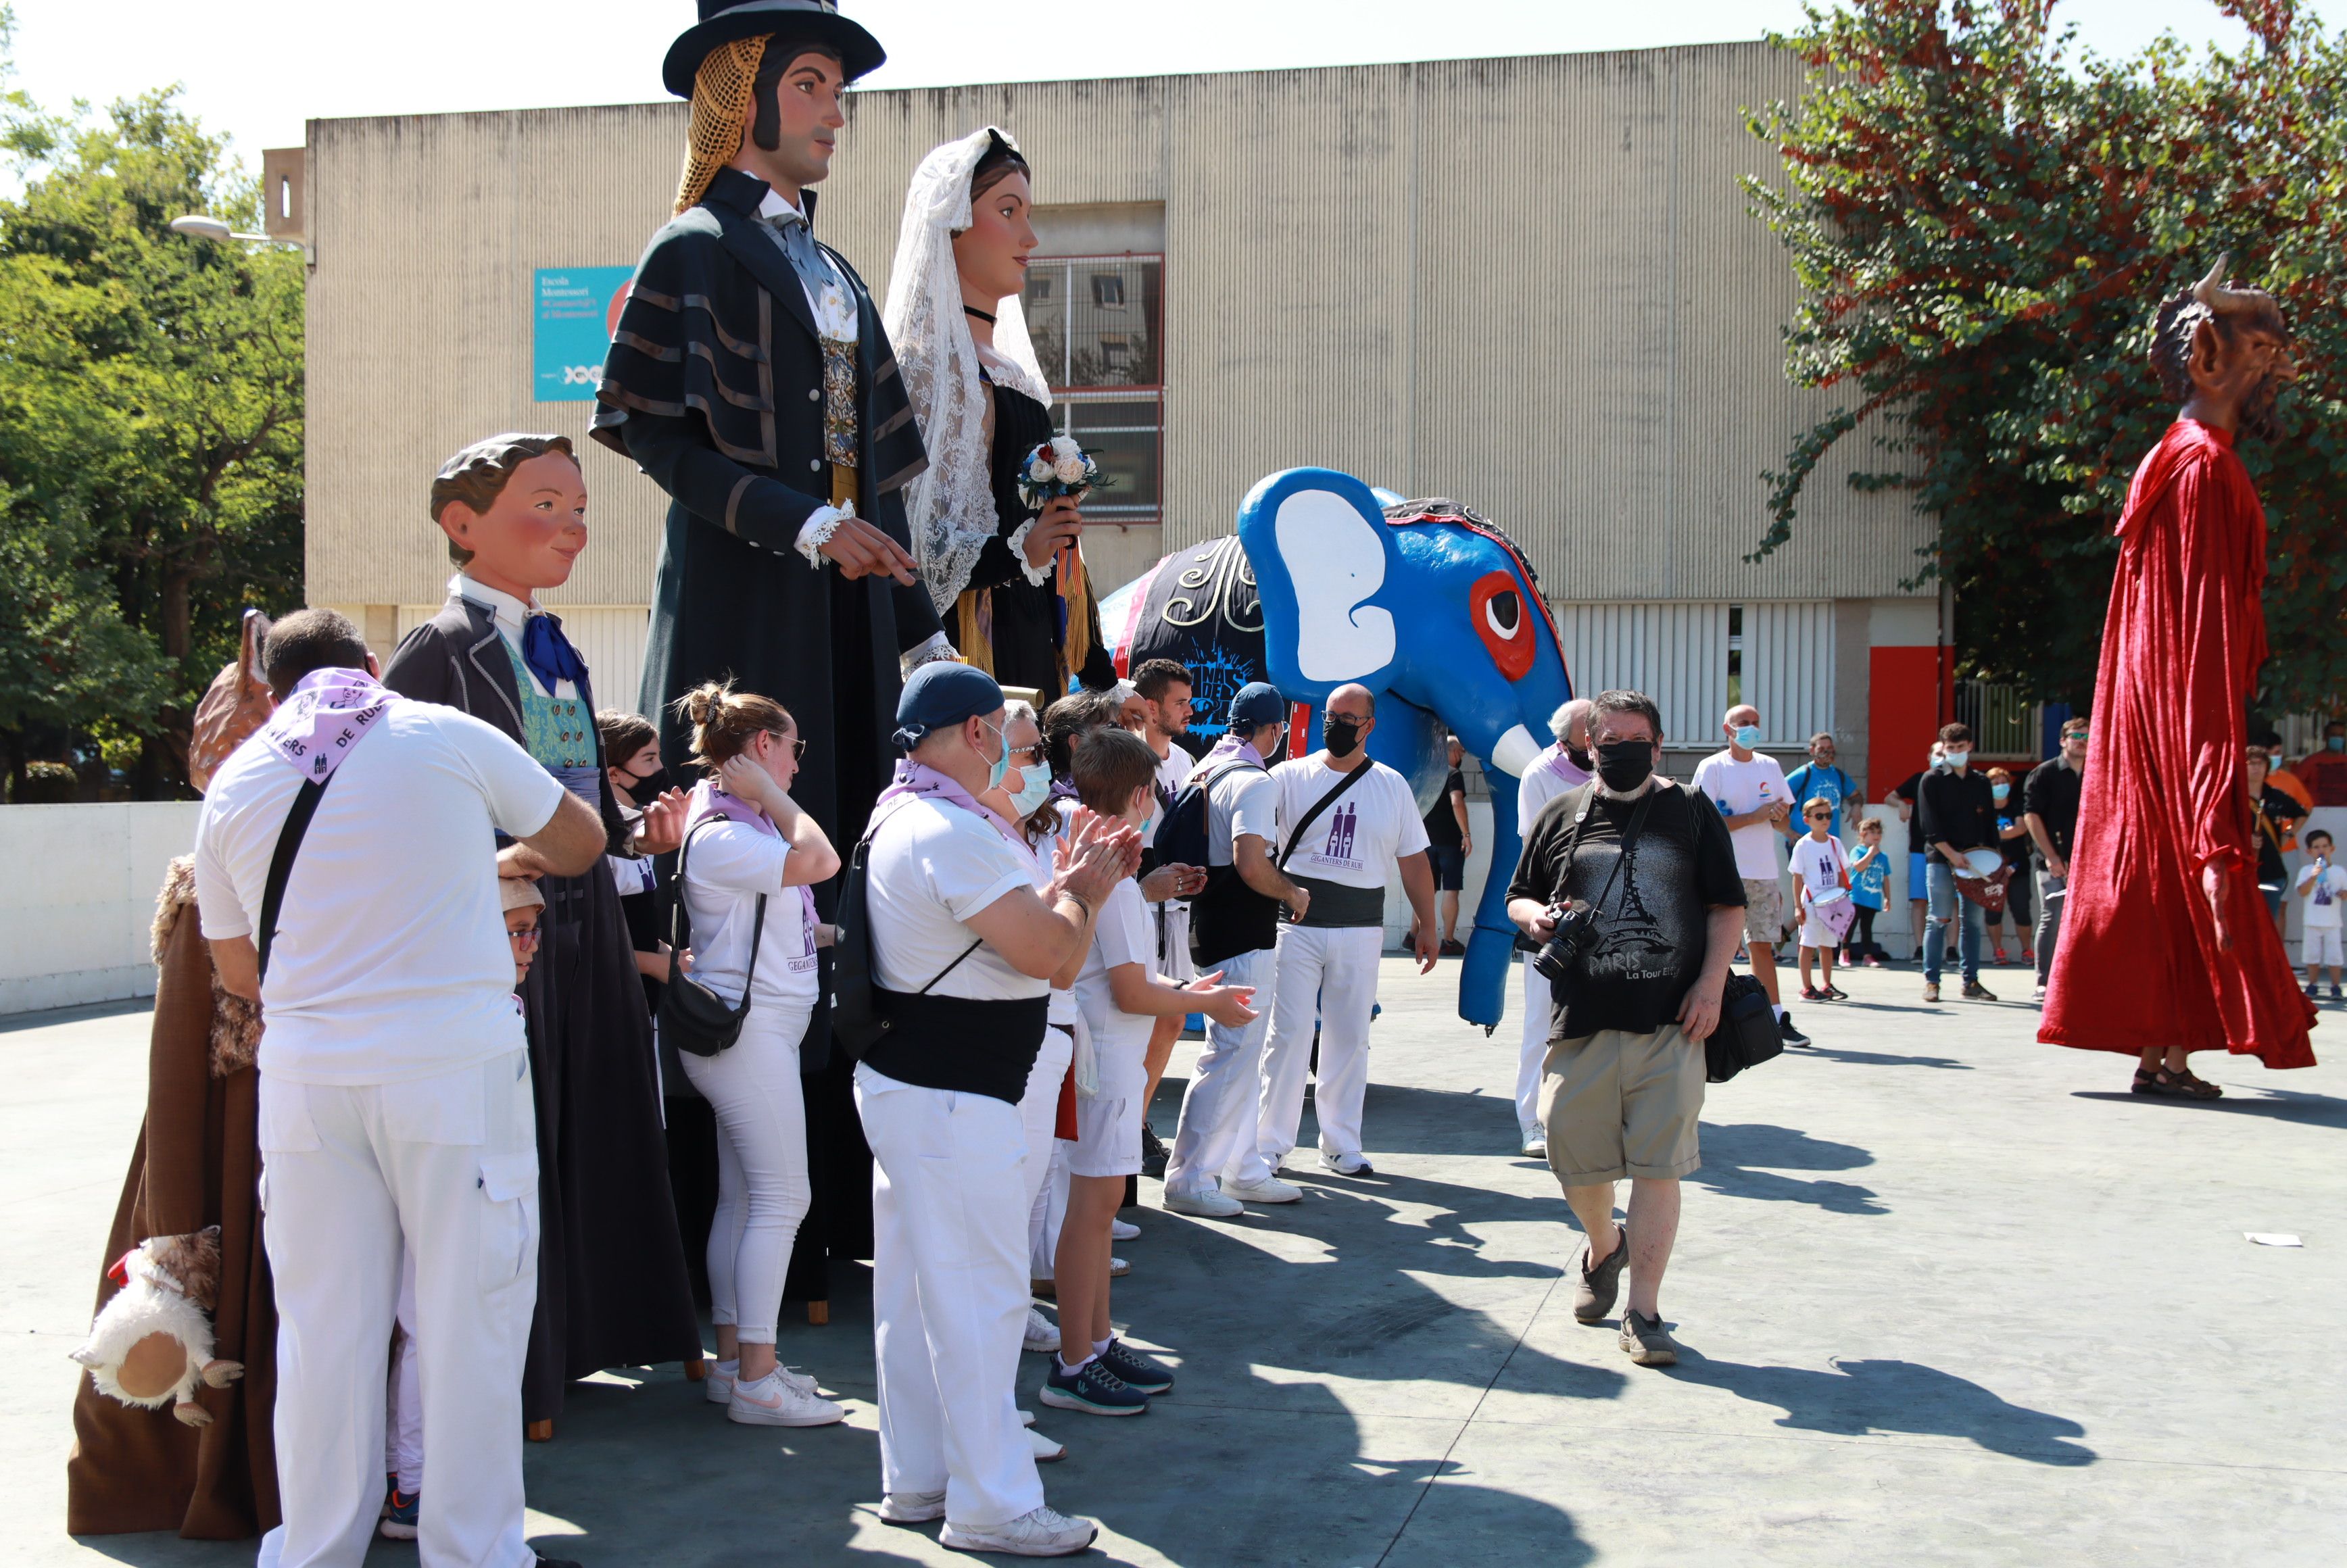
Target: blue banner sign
(576,307)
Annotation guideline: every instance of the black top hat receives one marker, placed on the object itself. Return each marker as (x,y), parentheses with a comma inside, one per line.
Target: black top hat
(795,21)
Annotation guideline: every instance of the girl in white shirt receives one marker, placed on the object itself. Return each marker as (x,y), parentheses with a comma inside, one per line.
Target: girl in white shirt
(748,839)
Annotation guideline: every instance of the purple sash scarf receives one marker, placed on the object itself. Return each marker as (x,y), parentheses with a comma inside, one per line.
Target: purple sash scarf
(918,780)
(323,718)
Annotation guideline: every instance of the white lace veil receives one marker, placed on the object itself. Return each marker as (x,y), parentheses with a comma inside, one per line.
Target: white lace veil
(950,508)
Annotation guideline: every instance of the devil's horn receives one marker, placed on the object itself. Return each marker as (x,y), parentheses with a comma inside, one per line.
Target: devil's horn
(2212,292)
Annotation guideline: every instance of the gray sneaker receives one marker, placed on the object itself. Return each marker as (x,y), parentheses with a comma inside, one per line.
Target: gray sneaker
(1644,1341)
(1038,1533)
(1594,1290)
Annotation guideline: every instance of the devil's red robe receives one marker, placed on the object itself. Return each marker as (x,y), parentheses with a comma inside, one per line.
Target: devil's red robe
(2137,963)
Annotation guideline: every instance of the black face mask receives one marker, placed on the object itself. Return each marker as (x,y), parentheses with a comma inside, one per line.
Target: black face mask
(1625,764)
(1579,758)
(643,787)
(1340,734)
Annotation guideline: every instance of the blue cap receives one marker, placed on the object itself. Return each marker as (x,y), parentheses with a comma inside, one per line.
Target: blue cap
(942,693)
(1259,703)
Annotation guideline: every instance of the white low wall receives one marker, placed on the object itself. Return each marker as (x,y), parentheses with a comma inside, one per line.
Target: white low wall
(84,879)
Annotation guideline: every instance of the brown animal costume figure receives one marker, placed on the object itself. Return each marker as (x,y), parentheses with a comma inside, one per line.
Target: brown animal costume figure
(195,1168)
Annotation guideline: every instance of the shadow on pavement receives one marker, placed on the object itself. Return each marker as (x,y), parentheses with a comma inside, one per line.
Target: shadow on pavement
(1861,1397)
(1744,1160)
(1884,1058)
(2279,1104)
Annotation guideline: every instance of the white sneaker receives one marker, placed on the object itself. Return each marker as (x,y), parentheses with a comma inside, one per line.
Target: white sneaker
(773,1401)
(1270,1190)
(1535,1145)
(718,1387)
(1120,1230)
(1209,1204)
(1349,1164)
(1041,1333)
(912,1507)
(1038,1533)
(1118,1268)
(1044,1450)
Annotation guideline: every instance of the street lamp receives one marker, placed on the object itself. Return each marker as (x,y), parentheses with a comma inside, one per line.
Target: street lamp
(197,226)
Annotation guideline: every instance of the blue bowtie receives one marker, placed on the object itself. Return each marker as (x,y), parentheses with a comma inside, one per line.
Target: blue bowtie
(549,653)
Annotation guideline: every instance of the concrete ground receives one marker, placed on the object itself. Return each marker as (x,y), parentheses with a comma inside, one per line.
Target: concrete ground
(1948,1296)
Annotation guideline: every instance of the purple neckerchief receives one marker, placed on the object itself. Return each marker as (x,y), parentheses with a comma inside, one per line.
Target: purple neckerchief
(1563,767)
(709,802)
(323,718)
(1230,746)
(919,781)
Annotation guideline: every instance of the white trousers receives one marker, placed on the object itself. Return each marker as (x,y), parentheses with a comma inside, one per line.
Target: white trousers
(1173,941)
(1328,978)
(1534,1053)
(445,1168)
(949,1295)
(761,1166)
(1219,1112)
(402,1431)
(1047,1164)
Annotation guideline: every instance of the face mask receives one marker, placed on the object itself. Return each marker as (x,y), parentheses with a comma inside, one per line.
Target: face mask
(1580,759)
(644,786)
(1340,734)
(1001,763)
(1034,788)
(1957,760)
(1625,764)
(2000,792)
(2335,742)
(1747,736)
(1271,748)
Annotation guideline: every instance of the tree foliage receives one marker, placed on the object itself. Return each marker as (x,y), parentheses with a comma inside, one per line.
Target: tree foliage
(1983,221)
(150,431)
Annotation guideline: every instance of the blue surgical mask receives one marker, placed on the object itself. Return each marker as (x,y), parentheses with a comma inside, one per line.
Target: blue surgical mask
(1001,763)
(1747,736)
(1999,790)
(2335,742)
(1034,788)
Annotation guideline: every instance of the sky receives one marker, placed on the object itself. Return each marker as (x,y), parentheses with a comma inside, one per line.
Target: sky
(258,70)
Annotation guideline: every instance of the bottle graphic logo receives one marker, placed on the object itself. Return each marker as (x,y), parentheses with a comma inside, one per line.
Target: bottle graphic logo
(1340,834)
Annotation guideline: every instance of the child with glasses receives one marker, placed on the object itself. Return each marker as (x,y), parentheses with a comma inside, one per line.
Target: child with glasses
(1820,872)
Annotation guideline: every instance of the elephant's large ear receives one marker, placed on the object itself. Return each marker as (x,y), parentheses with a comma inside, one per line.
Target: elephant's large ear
(1322,554)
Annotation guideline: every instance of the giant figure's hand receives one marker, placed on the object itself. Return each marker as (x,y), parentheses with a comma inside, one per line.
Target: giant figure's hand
(860,549)
(2216,881)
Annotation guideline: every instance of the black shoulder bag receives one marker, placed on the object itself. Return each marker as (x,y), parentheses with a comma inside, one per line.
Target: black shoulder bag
(281,863)
(694,1018)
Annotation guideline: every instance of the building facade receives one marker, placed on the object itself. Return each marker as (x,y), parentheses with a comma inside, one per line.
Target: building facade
(1531,283)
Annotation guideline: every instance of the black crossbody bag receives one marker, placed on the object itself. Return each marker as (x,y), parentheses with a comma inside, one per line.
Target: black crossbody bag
(860,1017)
(694,1018)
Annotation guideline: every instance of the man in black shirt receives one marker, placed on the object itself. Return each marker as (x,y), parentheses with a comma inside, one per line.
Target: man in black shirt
(1955,813)
(1655,870)
(2049,809)
(1448,845)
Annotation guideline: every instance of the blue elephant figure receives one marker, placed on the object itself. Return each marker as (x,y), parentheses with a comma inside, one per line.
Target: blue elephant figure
(1428,604)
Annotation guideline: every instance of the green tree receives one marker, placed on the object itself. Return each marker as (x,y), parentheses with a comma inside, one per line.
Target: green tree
(150,431)
(1983,222)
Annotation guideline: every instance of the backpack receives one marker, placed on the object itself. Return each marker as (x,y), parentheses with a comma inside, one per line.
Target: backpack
(1181,836)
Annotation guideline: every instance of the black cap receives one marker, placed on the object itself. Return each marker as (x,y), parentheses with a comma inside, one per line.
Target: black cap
(799,22)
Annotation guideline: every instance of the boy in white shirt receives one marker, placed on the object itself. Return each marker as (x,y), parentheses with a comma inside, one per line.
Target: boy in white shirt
(1818,866)
(1121,998)
(2323,886)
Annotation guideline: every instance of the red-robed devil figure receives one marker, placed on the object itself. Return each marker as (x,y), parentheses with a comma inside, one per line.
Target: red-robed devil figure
(2166,945)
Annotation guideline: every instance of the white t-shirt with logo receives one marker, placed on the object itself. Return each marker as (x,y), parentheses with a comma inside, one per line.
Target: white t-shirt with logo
(728,865)
(2321,906)
(1355,842)
(1123,934)
(1819,864)
(1242,800)
(1737,788)
(931,867)
(390,962)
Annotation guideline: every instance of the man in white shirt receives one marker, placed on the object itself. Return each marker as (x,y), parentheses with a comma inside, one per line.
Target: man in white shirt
(1560,769)
(963,952)
(1235,933)
(1165,686)
(1338,852)
(1749,787)
(396,1102)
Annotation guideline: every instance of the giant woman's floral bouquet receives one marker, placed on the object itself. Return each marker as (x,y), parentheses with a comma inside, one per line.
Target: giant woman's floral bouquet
(1057,467)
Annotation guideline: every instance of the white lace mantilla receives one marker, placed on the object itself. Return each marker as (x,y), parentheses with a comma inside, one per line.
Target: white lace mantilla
(951,506)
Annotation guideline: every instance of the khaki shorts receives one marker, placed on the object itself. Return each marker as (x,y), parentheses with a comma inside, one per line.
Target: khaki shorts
(1618,1104)
(1764,910)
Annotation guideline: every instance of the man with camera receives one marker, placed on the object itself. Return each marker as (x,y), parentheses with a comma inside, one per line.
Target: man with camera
(1630,886)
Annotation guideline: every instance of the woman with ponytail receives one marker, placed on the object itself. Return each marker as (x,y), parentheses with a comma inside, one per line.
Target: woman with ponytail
(748,846)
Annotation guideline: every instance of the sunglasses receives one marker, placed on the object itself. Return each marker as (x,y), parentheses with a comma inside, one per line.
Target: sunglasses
(1819,815)
(797,744)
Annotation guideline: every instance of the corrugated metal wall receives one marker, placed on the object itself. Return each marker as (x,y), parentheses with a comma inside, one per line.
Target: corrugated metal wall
(1789,670)
(1674,653)
(1532,283)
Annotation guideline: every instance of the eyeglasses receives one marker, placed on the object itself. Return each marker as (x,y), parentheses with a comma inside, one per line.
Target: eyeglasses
(525,937)
(1037,753)
(796,743)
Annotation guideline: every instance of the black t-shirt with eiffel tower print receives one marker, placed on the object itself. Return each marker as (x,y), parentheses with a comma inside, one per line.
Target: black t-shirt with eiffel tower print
(1653,919)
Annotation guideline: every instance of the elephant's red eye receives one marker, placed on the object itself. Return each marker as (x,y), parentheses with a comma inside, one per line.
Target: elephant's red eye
(1497,604)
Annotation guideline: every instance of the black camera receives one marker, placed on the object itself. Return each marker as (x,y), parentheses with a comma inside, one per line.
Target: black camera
(1576,929)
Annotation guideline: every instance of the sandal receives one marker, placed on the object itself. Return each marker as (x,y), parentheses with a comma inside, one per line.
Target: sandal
(2197,1086)
(2162,1085)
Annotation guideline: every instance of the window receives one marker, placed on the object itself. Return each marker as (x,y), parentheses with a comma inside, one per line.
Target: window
(1095,323)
